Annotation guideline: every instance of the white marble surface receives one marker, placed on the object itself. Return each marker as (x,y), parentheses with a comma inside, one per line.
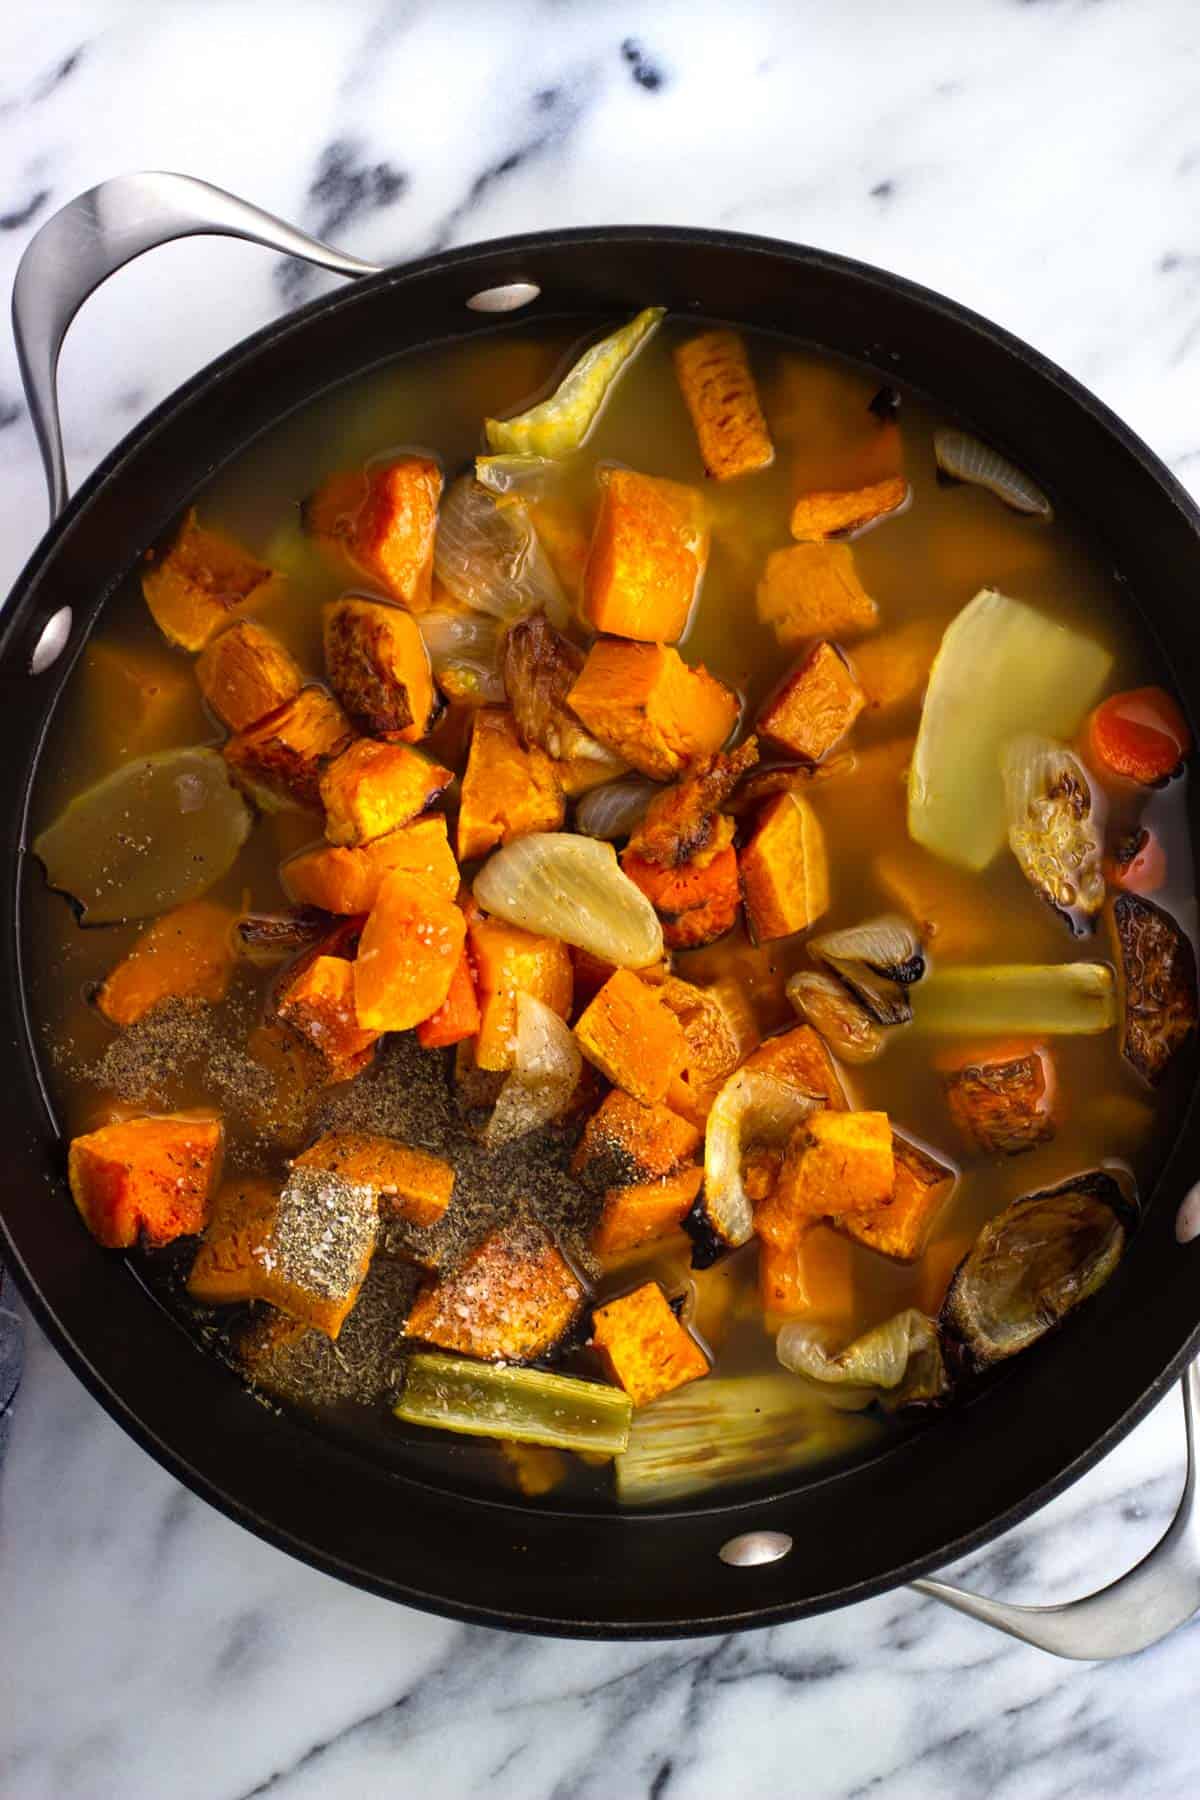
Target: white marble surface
(1039,161)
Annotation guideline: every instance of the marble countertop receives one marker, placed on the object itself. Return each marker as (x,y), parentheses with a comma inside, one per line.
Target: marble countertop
(1040,162)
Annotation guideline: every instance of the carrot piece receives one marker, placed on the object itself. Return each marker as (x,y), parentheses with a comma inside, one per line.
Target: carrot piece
(383,519)
(892,670)
(373,788)
(1139,864)
(279,760)
(626,1142)
(458,1016)
(508,962)
(319,1003)
(1139,736)
(813,590)
(784,869)
(697,902)
(246,673)
(647,558)
(147,1178)
(188,954)
(800,1058)
(632,1038)
(900,1227)
(645,1211)
(202,578)
(644,1347)
(1004,1103)
(507,791)
(513,1300)
(719,391)
(340,880)
(408,1184)
(815,707)
(410,947)
(823,512)
(643,702)
(814,1275)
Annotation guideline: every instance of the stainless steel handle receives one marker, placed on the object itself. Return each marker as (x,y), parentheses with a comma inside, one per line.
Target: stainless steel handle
(1133,1612)
(98,233)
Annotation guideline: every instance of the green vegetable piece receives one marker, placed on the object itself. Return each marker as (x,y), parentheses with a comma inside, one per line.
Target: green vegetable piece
(1076,999)
(1003,668)
(524,1406)
(559,425)
(159,830)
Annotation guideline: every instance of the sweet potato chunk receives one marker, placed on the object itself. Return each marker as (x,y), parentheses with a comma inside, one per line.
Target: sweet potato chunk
(647,558)
(837,1164)
(644,1347)
(507,791)
(825,512)
(410,947)
(626,1141)
(646,705)
(697,901)
(815,707)
(718,388)
(892,670)
(340,880)
(645,1211)
(279,761)
(508,962)
(146,1178)
(632,1038)
(900,1229)
(813,590)
(379,668)
(513,1300)
(201,580)
(408,1184)
(812,1276)
(719,1033)
(458,1017)
(1004,1105)
(384,520)
(1158,978)
(800,1058)
(373,788)
(318,1003)
(186,955)
(247,673)
(784,870)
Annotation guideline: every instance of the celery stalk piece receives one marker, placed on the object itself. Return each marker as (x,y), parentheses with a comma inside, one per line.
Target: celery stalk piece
(559,425)
(1003,668)
(726,1430)
(1075,999)
(525,1406)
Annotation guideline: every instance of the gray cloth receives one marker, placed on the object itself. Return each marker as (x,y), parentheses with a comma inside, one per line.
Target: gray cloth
(10,1357)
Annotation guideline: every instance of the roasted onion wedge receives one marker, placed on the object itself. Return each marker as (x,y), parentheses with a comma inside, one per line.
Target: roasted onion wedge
(898,1363)
(877,961)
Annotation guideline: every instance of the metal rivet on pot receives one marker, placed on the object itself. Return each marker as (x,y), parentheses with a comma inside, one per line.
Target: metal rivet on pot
(52,642)
(754,1548)
(1187,1219)
(504,299)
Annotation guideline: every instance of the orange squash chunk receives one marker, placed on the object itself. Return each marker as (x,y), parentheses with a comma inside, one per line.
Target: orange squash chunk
(384,520)
(645,1211)
(719,1033)
(813,590)
(507,791)
(373,788)
(512,1300)
(229,1266)
(892,670)
(626,1141)
(632,1038)
(815,707)
(508,962)
(1004,1103)
(188,954)
(203,578)
(837,1163)
(824,512)
(247,673)
(319,1004)
(800,1058)
(458,1017)
(410,948)
(784,869)
(647,558)
(279,761)
(379,668)
(644,703)
(814,1276)
(339,880)
(901,1227)
(644,1347)
(146,1178)
(719,391)
(408,1184)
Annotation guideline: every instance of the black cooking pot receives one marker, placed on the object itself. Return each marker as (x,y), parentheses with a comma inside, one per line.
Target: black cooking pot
(922,1501)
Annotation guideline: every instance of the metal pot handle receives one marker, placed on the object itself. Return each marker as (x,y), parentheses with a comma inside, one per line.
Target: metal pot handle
(98,233)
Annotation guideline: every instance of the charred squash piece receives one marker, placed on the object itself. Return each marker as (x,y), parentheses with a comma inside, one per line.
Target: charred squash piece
(1158,978)
(900,1229)
(813,1276)
(410,947)
(541,667)
(372,789)
(340,880)
(458,1017)
(513,1300)
(318,1004)
(718,388)
(825,512)
(508,962)
(1004,1105)
(815,707)
(379,668)
(650,708)
(626,1141)
(202,580)
(837,1164)
(719,1033)
(647,558)
(696,901)
(800,1058)
(892,670)
(383,520)
(146,1179)
(645,1211)
(784,869)
(507,791)
(407,1184)
(632,1038)
(644,1347)
(185,955)
(246,673)
(683,820)
(280,760)
(813,590)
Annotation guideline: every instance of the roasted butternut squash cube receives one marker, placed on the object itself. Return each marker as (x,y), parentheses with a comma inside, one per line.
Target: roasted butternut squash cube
(815,707)
(146,1179)
(813,590)
(202,579)
(229,1265)
(319,1004)
(508,962)
(822,513)
(339,880)
(458,1017)
(900,1229)
(384,520)
(373,788)
(647,558)
(719,1032)
(513,1300)
(801,1059)
(631,1037)
(719,391)
(407,1184)
(812,1276)
(246,673)
(379,668)
(644,1347)
(784,869)
(135,699)
(187,954)
(507,790)
(279,761)
(646,705)
(892,670)
(645,1211)
(627,1141)
(837,1163)
(1004,1104)
(410,947)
